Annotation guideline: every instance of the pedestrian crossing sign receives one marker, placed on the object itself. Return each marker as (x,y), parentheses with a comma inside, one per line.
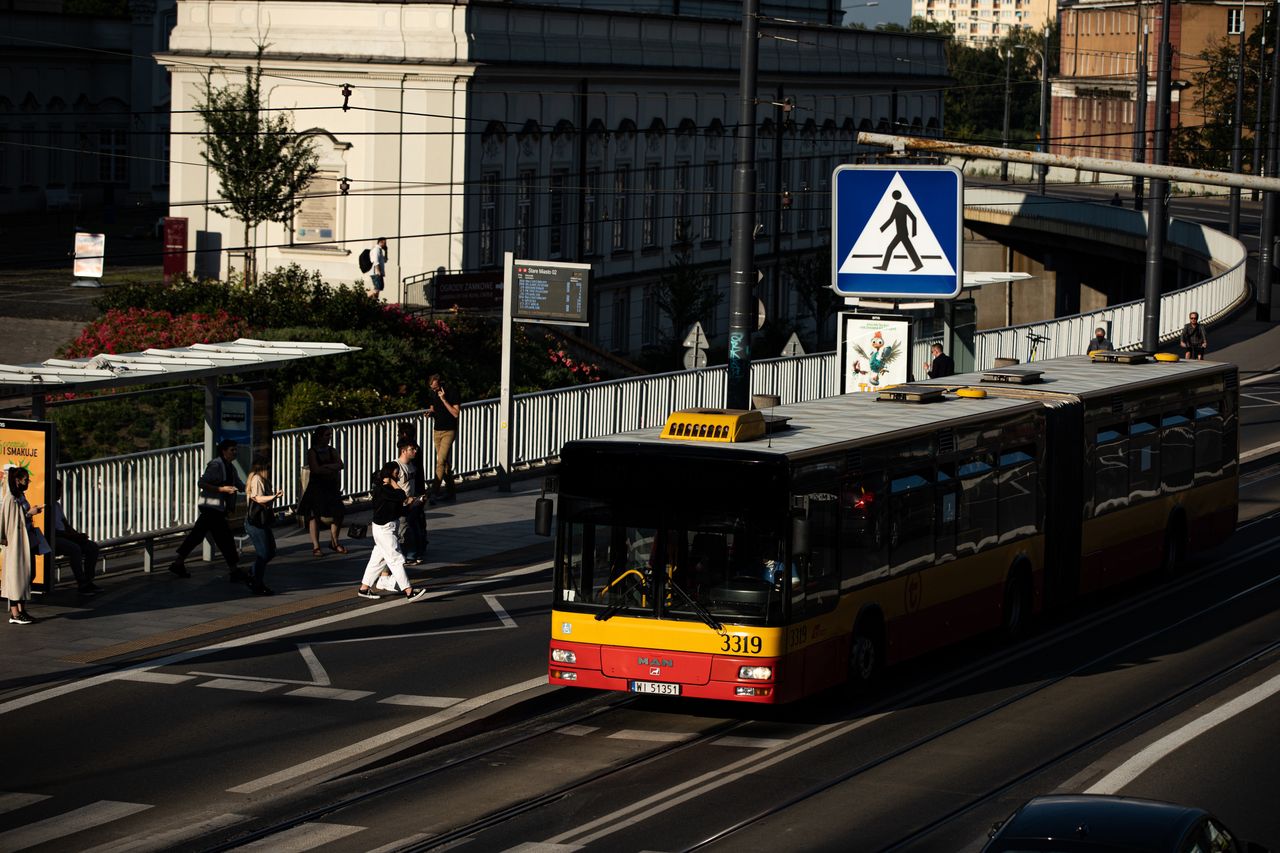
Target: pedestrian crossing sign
(897,231)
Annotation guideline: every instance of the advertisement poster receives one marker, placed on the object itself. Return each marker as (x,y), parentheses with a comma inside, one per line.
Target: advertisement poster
(29,445)
(175,247)
(875,352)
(90,250)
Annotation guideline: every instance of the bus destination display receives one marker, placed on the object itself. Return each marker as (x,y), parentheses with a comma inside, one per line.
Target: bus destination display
(551,292)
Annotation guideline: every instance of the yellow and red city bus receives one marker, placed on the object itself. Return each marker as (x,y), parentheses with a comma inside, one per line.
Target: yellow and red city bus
(762,558)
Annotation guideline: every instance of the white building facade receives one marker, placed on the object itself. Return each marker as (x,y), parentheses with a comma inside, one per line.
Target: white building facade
(979,22)
(553,132)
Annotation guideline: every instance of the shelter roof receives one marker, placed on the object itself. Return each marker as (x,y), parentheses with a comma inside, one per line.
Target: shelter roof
(178,364)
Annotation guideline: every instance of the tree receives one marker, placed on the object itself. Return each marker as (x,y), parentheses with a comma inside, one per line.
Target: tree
(685,294)
(262,164)
(1208,146)
(975,106)
(810,277)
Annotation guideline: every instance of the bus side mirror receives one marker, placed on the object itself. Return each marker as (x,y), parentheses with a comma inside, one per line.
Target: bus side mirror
(799,536)
(542,510)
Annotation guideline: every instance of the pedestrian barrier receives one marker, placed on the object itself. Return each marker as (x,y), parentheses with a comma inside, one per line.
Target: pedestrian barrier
(138,496)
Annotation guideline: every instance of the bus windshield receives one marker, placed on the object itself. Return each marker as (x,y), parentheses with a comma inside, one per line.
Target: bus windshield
(709,565)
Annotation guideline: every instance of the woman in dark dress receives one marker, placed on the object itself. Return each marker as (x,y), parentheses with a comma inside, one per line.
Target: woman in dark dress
(322,499)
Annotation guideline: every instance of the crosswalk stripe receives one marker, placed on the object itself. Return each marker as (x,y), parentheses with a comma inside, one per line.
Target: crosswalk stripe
(241,684)
(150,840)
(60,826)
(314,692)
(154,677)
(401,843)
(577,731)
(659,737)
(12,802)
(420,701)
(306,836)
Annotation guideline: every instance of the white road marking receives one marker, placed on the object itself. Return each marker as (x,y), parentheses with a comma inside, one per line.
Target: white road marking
(401,843)
(653,737)
(499,611)
(241,684)
(318,675)
(420,701)
(306,836)
(749,742)
(60,826)
(314,692)
(155,677)
(1259,451)
(276,681)
(370,744)
(150,840)
(577,731)
(13,802)
(543,847)
(1145,759)
(240,642)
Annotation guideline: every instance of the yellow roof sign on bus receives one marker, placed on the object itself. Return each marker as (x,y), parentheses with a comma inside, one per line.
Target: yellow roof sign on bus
(722,425)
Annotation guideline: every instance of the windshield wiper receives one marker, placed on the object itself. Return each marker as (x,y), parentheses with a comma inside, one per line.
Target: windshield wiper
(627,580)
(702,612)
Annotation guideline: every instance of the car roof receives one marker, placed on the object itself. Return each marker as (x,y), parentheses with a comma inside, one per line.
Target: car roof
(1113,823)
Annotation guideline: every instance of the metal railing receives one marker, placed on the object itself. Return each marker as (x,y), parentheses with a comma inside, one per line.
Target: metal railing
(134,496)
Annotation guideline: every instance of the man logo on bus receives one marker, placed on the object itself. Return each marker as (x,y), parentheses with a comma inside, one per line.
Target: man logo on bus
(646,661)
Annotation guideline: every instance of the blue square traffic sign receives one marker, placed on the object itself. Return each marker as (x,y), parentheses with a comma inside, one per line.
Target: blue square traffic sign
(897,231)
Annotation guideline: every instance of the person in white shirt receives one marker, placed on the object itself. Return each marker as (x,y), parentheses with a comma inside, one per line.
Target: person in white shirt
(377,275)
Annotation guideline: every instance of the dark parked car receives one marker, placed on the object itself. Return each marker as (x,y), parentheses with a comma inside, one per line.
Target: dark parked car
(1091,823)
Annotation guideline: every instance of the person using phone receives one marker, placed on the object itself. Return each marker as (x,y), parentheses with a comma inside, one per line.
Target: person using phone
(258,520)
(17,546)
(443,409)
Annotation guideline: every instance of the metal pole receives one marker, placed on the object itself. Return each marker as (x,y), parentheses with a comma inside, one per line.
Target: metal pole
(1258,168)
(1044,110)
(1157,219)
(1266,240)
(742,256)
(505,409)
(1004,139)
(1237,149)
(1140,116)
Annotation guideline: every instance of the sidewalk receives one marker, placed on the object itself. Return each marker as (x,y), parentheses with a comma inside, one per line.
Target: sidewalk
(137,616)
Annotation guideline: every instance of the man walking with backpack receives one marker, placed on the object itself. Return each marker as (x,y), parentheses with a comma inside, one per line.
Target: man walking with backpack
(218,487)
(374,262)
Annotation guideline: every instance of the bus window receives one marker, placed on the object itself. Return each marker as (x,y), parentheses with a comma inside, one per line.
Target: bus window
(1110,468)
(607,565)
(947,496)
(863,508)
(910,519)
(1208,441)
(976,519)
(822,579)
(1144,459)
(1019,494)
(1177,451)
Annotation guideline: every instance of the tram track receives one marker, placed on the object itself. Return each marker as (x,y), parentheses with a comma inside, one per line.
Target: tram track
(951,817)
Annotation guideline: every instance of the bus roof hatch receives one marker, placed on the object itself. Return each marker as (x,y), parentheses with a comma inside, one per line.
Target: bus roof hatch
(1013,375)
(722,425)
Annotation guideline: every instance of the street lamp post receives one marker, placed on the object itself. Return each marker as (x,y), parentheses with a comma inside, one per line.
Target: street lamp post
(742,253)
(1156,219)
(1140,110)
(1266,245)
(1004,139)
(1044,110)
(1233,211)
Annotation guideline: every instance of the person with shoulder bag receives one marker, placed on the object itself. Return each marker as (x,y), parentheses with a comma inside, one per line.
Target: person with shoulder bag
(218,487)
(389,504)
(259,520)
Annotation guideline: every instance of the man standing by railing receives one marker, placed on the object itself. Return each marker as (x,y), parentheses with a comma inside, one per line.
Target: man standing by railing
(443,411)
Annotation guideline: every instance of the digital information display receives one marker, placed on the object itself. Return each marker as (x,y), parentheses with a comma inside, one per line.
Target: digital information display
(550,292)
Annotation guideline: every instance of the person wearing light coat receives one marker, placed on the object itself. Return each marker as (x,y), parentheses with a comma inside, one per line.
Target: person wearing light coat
(15,545)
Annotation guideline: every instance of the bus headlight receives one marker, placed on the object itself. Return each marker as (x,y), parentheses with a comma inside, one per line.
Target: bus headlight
(755,673)
(563,656)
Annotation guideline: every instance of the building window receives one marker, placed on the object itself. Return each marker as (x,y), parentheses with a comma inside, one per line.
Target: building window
(649,213)
(590,214)
(1235,22)
(55,154)
(524,214)
(806,197)
(621,320)
(113,168)
(489,219)
(711,201)
(555,214)
(621,186)
(683,225)
(649,323)
(823,200)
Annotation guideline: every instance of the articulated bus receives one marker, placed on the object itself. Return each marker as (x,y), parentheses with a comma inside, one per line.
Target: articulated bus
(762,557)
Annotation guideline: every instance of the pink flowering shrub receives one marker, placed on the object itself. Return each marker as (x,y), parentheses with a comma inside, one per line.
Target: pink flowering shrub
(133,329)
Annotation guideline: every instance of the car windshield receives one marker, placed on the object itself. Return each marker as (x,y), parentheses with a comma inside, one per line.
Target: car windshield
(725,567)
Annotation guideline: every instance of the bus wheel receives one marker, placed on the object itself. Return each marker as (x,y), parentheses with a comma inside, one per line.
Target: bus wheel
(1174,557)
(1017,604)
(866,657)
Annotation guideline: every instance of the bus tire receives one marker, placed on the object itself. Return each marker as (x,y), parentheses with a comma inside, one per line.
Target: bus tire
(866,655)
(1173,558)
(1016,620)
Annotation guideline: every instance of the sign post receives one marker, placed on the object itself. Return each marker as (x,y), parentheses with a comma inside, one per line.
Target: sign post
(897,231)
(548,292)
